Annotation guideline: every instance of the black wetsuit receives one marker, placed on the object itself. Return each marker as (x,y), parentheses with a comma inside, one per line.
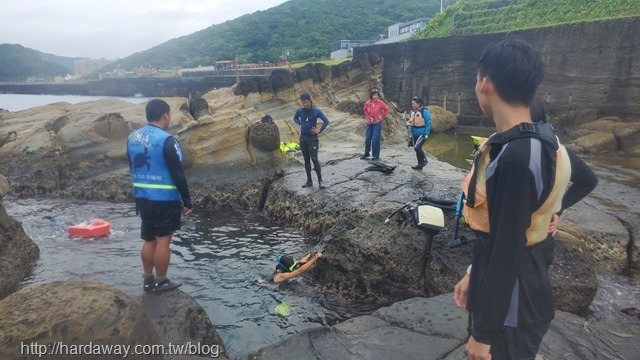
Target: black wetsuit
(509,288)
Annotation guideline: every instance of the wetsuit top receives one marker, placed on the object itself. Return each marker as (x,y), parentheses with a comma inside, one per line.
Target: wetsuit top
(308,119)
(583,181)
(509,284)
(155,161)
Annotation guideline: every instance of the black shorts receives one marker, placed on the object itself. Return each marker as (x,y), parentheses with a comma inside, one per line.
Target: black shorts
(159,218)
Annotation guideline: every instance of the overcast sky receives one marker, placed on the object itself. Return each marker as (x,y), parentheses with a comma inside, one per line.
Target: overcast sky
(115,28)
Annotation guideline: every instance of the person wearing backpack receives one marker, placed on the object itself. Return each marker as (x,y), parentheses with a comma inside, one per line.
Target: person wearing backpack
(420,125)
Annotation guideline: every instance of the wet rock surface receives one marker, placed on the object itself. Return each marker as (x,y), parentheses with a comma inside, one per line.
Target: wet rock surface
(18,253)
(68,150)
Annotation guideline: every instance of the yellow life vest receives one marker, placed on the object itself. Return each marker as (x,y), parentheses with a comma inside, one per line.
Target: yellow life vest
(476,213)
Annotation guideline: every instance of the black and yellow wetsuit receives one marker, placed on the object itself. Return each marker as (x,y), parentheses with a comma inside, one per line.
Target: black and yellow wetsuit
(517,183)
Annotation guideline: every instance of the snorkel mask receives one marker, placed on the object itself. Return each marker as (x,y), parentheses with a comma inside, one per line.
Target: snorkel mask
(286,263)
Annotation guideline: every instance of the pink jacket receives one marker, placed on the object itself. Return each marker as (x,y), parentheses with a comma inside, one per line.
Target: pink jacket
(375,111)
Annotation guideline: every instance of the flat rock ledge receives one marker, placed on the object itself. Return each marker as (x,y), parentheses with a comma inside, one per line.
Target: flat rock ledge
(434,328)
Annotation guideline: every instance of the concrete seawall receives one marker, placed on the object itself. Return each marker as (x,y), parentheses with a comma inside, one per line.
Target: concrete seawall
(127,87)
(594,65)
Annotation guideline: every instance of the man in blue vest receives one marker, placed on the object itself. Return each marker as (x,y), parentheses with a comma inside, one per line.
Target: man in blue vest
(161,192)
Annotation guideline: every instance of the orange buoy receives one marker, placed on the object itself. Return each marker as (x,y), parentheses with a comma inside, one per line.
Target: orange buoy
(97,227)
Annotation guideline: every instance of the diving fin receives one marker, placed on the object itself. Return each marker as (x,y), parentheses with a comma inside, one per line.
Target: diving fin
(379,166)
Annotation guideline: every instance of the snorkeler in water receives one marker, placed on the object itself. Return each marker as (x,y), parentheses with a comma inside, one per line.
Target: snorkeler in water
(287,268)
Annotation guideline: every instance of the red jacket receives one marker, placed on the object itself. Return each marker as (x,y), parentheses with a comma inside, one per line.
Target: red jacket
(375,111)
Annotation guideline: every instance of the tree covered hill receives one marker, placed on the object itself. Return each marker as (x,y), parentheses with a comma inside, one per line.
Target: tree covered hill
(488,16)
(18,63)
(303,28)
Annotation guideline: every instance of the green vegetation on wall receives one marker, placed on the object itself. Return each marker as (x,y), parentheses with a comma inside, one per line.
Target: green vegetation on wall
(467,17)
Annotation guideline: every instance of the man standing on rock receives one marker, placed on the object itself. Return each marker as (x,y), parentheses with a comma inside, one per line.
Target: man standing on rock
(516,185)
(161,192)
(307,117)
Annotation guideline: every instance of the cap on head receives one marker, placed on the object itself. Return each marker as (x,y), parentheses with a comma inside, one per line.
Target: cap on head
(286,264)
(417,100)
(305,96)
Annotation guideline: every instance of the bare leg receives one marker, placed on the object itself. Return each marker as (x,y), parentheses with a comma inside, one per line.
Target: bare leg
(162,255)
(146,254)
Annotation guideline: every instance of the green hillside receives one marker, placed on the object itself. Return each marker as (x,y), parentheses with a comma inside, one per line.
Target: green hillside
(303,28)
(487,16)
(67,62)
(18,63)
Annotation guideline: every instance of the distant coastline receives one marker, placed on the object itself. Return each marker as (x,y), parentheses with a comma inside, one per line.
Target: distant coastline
(129,87)
(19,102)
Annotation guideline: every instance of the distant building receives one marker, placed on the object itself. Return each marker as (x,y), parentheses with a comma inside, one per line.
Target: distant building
(145,72)
(226,65)
(402,31)
(344,48)
(35,80)
(84,67)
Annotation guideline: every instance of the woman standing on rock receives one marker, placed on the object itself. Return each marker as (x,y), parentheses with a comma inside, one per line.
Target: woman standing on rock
(374,111)
(420,126)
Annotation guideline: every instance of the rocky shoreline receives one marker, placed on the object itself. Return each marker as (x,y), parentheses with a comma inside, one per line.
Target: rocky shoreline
(77,151)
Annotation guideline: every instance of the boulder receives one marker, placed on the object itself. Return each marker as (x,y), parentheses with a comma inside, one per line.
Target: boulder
(628,138)
(577,118)
(73,313)
(18,252)
(199,107)
(264,136)
(441,119)
(596,143)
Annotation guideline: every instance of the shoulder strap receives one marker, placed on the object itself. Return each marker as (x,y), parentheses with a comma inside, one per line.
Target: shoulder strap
(543,132)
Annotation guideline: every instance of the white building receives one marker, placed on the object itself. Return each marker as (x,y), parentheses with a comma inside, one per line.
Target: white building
(344,48)
(402,31)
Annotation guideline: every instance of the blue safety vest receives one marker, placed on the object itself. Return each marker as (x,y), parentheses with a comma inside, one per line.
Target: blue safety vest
(149,172)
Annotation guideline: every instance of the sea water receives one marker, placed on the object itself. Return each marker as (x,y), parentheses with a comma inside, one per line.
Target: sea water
(224,259)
